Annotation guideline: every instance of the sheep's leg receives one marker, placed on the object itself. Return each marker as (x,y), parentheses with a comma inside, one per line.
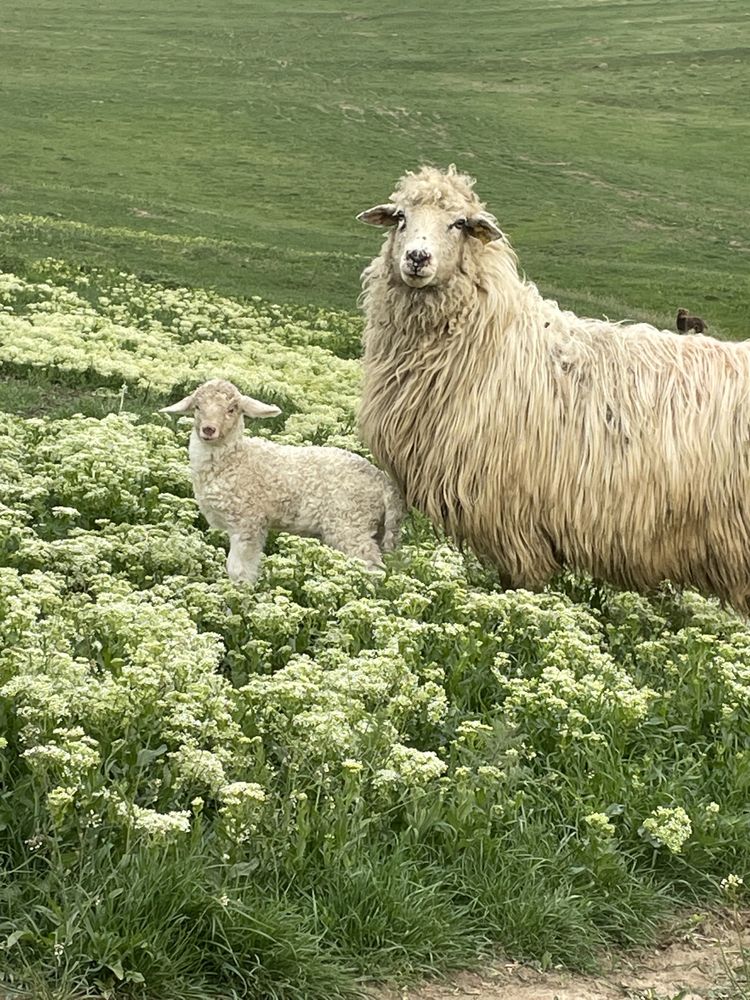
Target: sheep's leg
(358,545)
(245,553)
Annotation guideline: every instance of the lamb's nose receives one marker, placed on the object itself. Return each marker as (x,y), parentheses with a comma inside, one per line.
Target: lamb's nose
(208,432)
(418,258)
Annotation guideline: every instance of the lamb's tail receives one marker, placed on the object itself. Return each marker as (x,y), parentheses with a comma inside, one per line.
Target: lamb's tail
(395,511)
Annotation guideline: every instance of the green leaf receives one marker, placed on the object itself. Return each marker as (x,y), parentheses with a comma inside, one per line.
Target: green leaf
(117,968)
(15,937)
(146,756)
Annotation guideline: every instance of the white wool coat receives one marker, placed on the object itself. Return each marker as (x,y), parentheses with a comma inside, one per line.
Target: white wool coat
(545,440)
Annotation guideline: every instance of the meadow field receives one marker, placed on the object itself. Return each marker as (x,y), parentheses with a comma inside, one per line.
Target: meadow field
(291,791)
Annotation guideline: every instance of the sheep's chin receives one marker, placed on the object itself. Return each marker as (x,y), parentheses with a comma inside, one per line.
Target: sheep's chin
(417,280)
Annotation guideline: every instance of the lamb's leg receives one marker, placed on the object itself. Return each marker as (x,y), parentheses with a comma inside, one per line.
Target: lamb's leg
(245,553)
(358,544)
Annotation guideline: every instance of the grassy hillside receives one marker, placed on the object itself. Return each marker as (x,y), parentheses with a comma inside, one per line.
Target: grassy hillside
(232,144)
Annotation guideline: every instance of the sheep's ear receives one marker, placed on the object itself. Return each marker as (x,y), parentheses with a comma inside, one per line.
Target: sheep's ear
(483,226)
(184,405)
(254,408)
(380,215)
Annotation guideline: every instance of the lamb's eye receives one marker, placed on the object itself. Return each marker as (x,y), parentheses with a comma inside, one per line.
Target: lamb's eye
(400,219)
(459,224)
(232,409)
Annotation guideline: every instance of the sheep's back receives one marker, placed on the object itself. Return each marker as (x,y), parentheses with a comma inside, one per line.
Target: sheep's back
(553,440)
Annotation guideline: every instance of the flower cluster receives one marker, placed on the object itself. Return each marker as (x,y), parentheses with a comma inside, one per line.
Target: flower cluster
(732,885)
(143,695)
(668,826)
(600,823)
(120,330)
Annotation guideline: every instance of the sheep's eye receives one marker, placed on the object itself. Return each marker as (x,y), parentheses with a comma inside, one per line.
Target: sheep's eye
(232,409)
(459,224)
(400,219)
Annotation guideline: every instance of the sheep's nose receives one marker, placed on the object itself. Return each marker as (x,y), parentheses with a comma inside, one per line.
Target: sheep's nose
(208,432)
(418,258)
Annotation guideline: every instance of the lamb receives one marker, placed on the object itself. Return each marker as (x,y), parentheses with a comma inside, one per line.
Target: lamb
(541,439)
(686,322)
(246,486)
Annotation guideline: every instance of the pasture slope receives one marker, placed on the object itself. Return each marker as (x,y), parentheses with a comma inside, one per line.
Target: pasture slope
(210,792)
(231,145)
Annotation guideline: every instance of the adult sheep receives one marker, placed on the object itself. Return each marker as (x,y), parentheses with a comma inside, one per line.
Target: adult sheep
(541,439)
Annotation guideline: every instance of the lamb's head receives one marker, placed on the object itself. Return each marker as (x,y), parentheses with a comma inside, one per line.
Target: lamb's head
(219,409)
(435,219)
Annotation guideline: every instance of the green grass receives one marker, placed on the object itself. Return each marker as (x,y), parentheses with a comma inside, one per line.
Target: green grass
(231,145)
(38,394)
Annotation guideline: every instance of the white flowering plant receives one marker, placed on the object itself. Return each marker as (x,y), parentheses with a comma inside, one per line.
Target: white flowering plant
(329,755)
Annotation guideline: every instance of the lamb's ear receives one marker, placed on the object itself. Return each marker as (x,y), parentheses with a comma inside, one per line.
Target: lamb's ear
(380,215)
(483,226)
(184,405)
(254,408)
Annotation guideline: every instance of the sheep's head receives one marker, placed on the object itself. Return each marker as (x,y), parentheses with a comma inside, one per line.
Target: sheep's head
(219,409)
(435,218)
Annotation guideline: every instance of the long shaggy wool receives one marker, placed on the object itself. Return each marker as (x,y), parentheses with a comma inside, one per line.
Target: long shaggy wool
(545,440)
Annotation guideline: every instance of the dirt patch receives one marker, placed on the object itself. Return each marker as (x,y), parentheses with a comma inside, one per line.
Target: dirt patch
(692,967)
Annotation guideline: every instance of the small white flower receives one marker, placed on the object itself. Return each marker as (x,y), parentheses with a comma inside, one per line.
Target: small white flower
(732,884)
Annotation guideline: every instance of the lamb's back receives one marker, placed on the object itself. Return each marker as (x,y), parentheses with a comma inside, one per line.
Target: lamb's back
(321,484)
